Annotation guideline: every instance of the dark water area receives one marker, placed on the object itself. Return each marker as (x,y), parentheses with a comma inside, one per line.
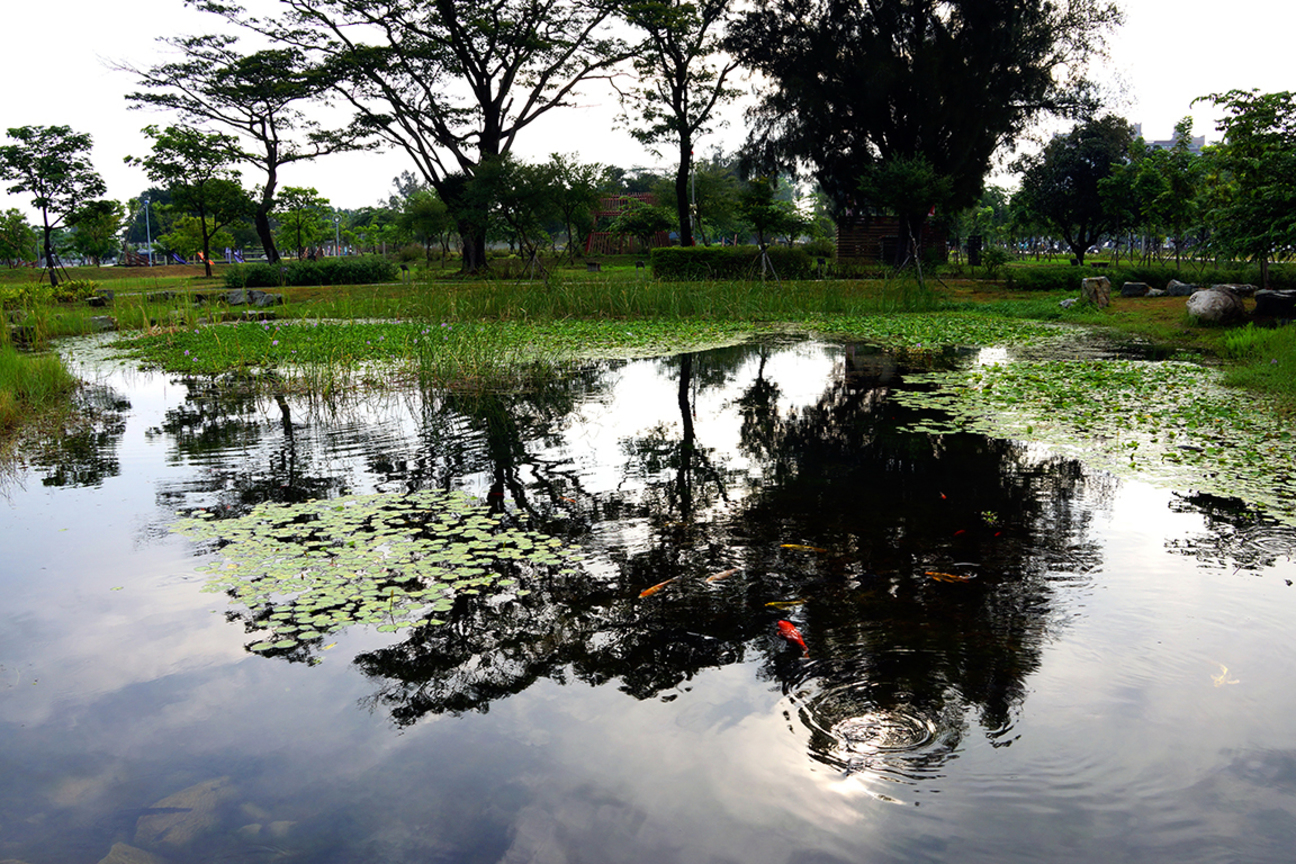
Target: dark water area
(1008,656)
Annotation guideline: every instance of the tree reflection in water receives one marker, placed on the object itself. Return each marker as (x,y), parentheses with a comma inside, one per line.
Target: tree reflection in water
(826,510)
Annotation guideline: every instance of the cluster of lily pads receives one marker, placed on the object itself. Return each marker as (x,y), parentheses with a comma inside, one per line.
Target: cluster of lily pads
(934,329)
(392,560)
(1168,422)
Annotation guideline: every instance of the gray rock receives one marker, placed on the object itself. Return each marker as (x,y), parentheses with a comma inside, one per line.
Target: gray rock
(238,297)
(263,298)
(1239,289)
(1069,302)
(161,297)
(1210,306)
(22,335)
(121,853)
(102,323)
(1135,289)
(1156,292)
(1275,304)
(1180,289)
(1096,290)
(190,813)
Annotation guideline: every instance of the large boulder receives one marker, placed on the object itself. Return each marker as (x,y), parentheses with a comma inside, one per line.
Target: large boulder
(1212,306)
(1135,289)
(1180,289)
(1239,289)
(1275,304)
(1096,290)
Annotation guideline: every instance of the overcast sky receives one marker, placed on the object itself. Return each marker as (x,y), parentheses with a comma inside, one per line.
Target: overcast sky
(56,65)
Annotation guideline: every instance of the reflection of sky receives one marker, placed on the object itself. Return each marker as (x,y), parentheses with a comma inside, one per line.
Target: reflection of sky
(1124,748)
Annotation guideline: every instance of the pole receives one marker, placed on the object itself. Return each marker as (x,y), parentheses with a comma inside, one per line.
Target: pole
(148,230)
(337,237)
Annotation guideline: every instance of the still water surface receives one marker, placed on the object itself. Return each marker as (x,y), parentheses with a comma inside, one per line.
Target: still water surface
(1009,656)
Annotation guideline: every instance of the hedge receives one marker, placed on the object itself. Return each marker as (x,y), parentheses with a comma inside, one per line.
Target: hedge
(363,270)
(683,263)
(1067,278)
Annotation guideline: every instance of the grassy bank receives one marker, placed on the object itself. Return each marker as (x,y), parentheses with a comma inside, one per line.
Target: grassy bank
(30,386)
(620,310)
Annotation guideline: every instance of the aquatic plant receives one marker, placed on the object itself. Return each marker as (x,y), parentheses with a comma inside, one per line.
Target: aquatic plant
(395,561)
(1171,422)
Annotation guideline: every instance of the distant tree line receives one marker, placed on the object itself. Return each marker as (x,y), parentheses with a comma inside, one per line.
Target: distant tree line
(892,107)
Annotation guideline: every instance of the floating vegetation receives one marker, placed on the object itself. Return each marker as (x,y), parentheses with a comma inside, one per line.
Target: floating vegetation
(304,571)
(1170,423)
(937,329)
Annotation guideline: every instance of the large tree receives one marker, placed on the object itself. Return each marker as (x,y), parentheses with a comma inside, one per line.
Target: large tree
(304,217)
(854,83)
(95,229)
(1062,185)
(17,238)
(198,168)
(682,78)
(1255,200)
(53,164)
(451,82)
(258,96)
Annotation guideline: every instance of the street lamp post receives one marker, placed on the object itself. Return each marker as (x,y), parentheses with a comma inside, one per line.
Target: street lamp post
(148,230)
(337,236)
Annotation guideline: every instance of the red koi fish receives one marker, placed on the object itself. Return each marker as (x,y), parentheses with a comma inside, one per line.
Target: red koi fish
(648,592)
(788,631)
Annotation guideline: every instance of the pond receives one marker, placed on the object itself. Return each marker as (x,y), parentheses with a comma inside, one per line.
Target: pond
(756,604)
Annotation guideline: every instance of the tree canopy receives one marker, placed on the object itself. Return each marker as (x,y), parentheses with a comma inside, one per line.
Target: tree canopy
(53,164)
(854,83)
(258,96)
(198,168)
(1255,201)
(1062,184)
(450,82)
(682,78)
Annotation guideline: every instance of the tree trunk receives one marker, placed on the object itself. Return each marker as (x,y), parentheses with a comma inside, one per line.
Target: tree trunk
(474,249)
(681,191)
(262,217)
(49,254)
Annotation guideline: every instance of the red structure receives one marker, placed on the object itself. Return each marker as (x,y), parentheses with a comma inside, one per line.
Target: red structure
(609,208)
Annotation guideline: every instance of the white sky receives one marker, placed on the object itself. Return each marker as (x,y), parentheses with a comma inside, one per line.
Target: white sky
(57,54)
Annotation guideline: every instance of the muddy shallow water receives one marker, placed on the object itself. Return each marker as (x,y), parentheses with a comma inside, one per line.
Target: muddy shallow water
(1008,655)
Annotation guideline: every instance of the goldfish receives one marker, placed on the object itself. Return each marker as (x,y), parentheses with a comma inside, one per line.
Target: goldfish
(800,548)
(724,574)
(788,631)
(947,577)
(648,592)
(784,604)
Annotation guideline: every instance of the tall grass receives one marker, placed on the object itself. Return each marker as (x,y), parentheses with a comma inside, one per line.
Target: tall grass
(30,385)
(1264,360)
(563,297)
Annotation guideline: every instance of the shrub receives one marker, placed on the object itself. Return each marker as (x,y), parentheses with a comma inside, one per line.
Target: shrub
(684,263)
(821,248)
(74,289)
(362,270)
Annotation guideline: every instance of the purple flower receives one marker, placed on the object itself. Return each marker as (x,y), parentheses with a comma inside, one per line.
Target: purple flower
(275,342)
(186,352)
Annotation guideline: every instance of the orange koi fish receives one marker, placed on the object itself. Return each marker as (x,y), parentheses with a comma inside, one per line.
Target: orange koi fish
(724,574)
(800,548)
(648,592)
(947,577)
(788,631)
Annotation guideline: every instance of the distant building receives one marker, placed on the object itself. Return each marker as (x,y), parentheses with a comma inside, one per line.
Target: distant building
(876,238)
(1195,143)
